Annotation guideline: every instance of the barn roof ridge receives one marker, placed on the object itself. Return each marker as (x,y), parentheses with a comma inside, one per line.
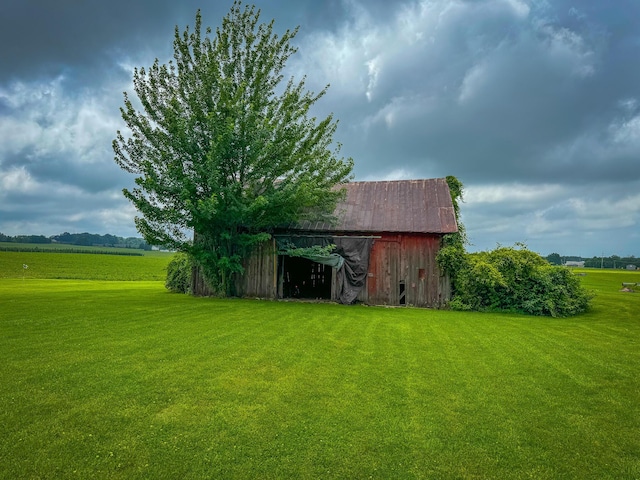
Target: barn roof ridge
(399,180)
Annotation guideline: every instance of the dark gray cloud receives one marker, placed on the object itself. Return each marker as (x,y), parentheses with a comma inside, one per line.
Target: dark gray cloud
(40,37)
(45,38)
(534,105)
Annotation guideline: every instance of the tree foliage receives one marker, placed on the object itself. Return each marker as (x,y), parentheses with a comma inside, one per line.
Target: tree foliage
(179,274)
(456,190)
(452,252)
(224,148)
(554,259)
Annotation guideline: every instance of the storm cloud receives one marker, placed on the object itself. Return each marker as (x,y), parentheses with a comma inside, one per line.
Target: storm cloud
(533,105)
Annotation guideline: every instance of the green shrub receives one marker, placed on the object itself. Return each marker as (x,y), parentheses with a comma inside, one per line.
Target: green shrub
(179,274)
(512,279)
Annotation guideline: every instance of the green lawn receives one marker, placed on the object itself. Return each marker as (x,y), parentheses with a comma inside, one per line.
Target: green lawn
(105,379)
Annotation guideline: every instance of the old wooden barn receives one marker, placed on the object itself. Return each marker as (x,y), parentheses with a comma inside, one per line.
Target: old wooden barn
(387,236)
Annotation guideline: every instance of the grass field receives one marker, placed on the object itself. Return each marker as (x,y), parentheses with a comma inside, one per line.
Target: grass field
(82,266)
(116,379)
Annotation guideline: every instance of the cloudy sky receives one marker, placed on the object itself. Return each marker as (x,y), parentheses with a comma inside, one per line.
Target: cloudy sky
(533,104)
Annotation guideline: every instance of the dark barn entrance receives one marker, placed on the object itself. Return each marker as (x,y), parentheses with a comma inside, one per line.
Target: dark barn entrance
(303,278)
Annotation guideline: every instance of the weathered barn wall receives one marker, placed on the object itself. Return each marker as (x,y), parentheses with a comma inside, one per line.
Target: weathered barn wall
(403,271)
(260,277)
(199,285)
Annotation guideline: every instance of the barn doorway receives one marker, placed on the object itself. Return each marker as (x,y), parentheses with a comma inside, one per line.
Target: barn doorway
(303,278)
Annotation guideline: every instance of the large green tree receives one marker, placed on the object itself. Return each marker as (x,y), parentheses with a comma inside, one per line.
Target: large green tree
(223,148)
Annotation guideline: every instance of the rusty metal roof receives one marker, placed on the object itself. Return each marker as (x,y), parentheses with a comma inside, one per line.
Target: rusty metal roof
(399,206)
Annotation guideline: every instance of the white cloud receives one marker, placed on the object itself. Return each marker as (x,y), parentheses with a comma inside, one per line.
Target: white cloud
(570,49)
(587,216)
(521,9)
(113,217)
(17,180)
(48,121)
(473,82)
(509,193)
(626,132)
(17,134)
(374,71)
(347,57)
(396,174)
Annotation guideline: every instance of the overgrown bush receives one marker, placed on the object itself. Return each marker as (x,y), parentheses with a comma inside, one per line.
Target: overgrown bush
(179,274)
(512,279)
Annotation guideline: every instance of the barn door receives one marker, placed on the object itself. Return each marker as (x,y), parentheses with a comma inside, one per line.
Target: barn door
(383,282)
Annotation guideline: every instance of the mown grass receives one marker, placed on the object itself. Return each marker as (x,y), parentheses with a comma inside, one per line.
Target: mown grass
(124,380)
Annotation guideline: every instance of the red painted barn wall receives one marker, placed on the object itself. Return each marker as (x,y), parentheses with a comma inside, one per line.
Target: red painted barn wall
(405,265)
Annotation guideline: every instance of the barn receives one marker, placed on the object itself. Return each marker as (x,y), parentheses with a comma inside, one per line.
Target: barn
(387,235)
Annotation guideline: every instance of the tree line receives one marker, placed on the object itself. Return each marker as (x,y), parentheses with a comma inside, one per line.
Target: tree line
(613,261)
(80,239)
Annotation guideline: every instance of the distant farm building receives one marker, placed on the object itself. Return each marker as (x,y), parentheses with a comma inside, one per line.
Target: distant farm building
(631,267)
(387,236)
(574,264)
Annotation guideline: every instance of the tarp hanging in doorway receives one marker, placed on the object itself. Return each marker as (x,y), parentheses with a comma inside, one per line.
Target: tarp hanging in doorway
(353,275)
(350,259)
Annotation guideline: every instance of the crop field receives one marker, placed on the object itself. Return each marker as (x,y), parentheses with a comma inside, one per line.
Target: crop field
(83,266)
(106,377)
(64,248)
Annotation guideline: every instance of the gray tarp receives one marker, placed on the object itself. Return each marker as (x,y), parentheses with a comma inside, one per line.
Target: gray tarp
(350,259)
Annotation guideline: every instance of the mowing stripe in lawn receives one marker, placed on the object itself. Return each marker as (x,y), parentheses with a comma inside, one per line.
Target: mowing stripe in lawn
(125,380)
